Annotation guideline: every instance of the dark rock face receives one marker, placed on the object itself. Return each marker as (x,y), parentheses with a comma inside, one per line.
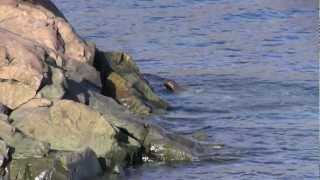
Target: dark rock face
(122,80)
(4,109)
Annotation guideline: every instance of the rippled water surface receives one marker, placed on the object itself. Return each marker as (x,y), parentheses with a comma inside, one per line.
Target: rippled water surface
(249,67)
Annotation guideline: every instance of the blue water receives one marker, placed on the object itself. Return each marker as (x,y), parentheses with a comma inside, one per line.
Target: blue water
(249,67)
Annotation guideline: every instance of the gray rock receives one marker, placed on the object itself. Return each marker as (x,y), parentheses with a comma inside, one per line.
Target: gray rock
(24,146)
(159,144)
(55,90)
(5,158)
(4,117)
(82,165)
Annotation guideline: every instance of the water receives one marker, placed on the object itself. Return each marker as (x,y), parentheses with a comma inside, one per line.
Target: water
(250,69)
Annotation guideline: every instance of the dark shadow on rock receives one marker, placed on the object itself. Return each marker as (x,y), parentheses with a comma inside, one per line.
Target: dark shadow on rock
(4,109)
(122,80)
(79,91)
(102,65)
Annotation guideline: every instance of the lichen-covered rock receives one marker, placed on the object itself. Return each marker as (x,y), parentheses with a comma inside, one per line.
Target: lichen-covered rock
(67,126)
(24,146)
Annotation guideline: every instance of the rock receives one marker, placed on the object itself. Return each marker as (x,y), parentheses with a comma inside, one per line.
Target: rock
(4,109)
(54,89)
(24,147)
(172,85)
(125,94)
(21,60)
(118,62)
(5,159)
(123,81)
(118,116)
(80,80)
(47,168)
(14,94)
(9,2)
(36,102)
(67,126)
(169,147)
(44,24)
(82,165)
(80,72)
(158,144)
(4,117)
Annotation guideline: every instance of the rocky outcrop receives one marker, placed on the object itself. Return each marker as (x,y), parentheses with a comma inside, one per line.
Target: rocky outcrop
(69,110)
(123,81)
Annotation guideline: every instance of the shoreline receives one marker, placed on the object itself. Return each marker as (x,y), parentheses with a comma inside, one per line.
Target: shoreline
(67,105)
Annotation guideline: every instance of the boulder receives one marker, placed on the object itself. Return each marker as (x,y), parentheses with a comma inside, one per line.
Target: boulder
(80,165)
(4,117)
(158,144)
(67,126)
(21,59)
(36,102)
(47,168)
(14,94)
(24,146)
(54,84)
(125,94)
(71,126)
(43,23)
(122,80)
(81,79)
